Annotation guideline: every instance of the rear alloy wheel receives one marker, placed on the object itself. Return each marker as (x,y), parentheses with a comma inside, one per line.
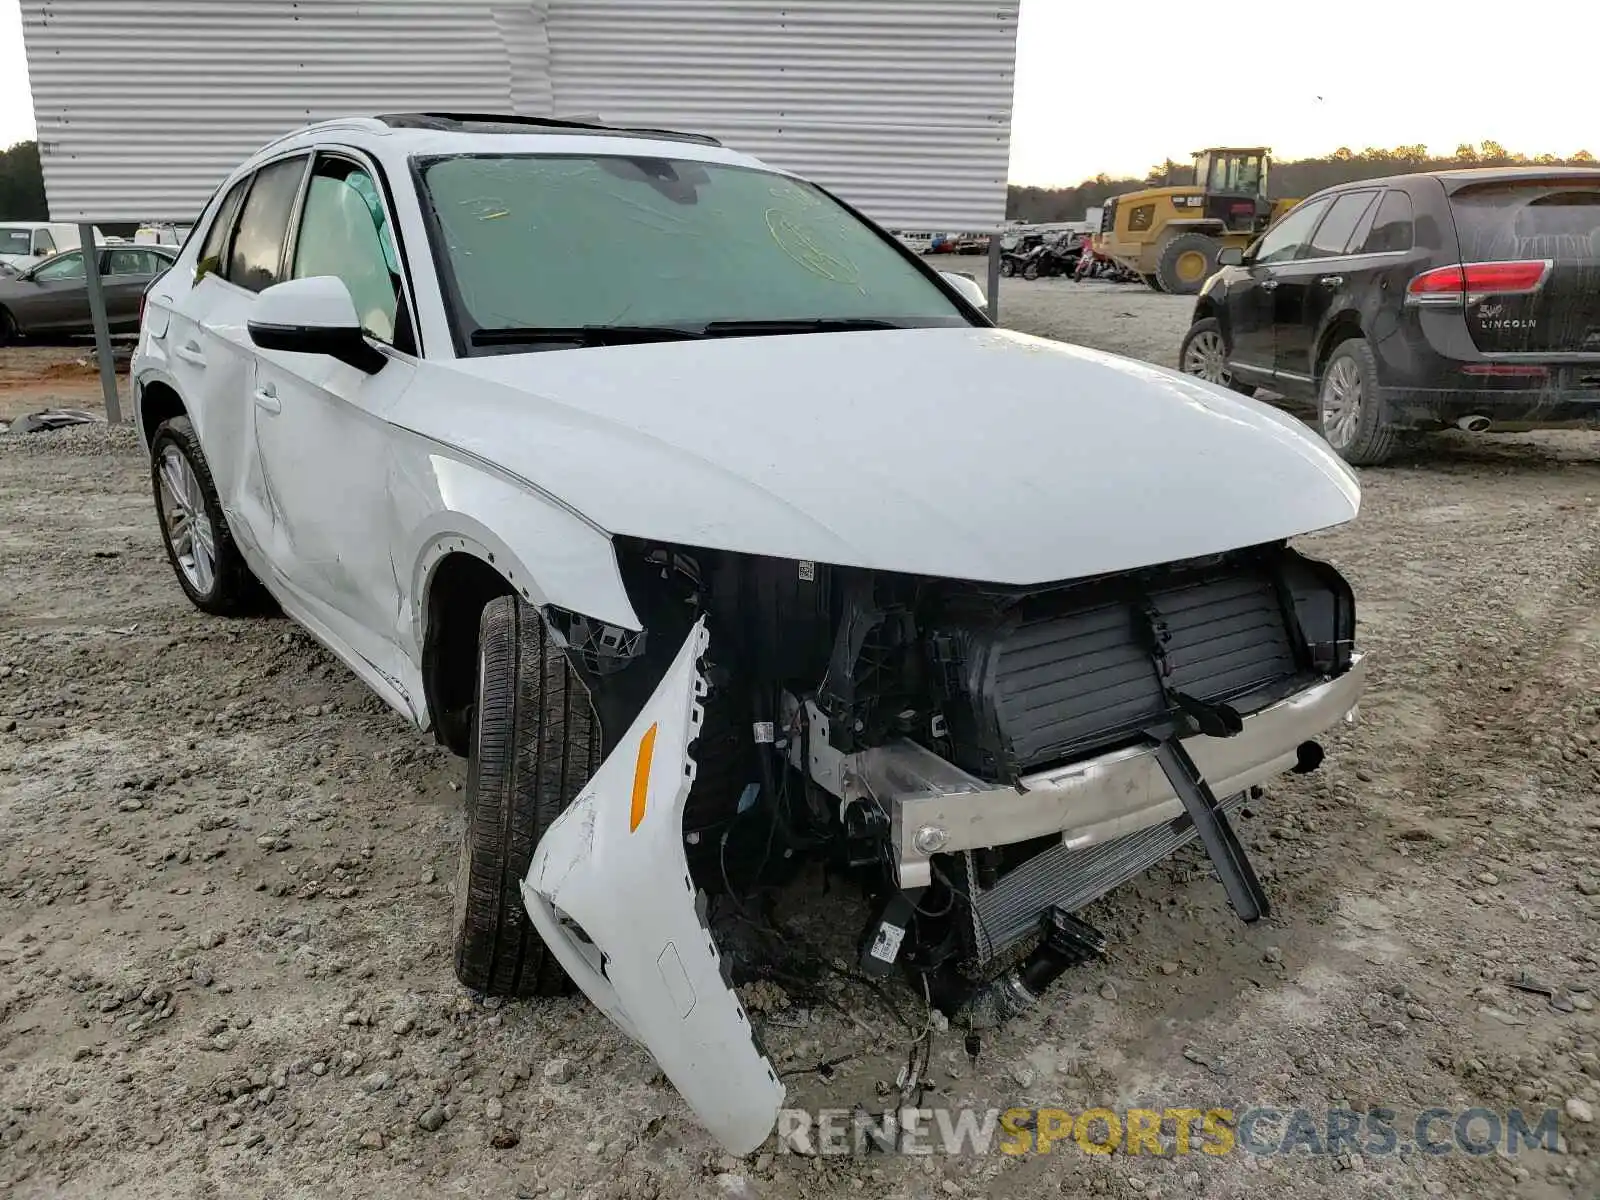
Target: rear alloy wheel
(1204,354)
(1350,408)
(199,546)
(1186,262)
(535,743)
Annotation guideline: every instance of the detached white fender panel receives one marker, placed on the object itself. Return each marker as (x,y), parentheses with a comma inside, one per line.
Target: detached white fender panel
(613,866)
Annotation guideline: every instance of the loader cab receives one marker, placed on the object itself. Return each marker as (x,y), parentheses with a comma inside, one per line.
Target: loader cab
(1235,183)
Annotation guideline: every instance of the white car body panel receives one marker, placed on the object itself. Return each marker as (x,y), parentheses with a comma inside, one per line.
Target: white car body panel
(971,453)
(648,962)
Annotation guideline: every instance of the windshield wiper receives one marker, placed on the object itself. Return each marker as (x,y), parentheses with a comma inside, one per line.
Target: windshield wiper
(583,335)
(797,325)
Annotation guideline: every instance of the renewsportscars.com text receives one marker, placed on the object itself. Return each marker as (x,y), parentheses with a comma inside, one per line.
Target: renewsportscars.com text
(1258,1130)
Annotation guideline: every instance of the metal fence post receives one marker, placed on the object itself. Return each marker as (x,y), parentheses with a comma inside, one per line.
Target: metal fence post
(994,277)
(102,327)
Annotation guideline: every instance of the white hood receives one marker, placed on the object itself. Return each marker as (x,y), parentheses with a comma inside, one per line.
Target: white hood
(969,453)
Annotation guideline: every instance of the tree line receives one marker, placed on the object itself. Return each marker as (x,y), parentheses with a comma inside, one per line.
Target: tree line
(22,184)
(1300,177)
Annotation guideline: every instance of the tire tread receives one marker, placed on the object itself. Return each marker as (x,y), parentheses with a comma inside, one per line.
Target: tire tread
(535,744)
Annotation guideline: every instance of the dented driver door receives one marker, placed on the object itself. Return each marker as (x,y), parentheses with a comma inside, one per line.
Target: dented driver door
(324,454)
(321,427)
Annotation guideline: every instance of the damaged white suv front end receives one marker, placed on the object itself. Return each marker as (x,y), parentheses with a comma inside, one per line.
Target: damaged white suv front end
(724,538)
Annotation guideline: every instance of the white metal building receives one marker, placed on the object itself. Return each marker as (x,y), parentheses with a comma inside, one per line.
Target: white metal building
(901,106)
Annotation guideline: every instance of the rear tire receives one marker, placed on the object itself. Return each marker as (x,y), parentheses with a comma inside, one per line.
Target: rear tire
(1186,262)
(1151,282)
(535,743)
(199,545)
(1008,268)
(1351,413)
(1031,271)
(9,334)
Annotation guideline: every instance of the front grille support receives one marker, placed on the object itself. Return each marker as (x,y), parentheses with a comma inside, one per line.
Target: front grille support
(1222,845)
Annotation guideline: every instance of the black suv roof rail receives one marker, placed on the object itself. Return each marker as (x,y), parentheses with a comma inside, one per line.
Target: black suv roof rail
(515,123)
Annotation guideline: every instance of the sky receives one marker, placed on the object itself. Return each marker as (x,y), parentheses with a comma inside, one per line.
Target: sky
(1096,93)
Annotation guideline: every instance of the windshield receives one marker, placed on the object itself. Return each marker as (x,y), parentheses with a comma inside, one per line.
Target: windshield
(1235,173)
(15,241)
(543,243)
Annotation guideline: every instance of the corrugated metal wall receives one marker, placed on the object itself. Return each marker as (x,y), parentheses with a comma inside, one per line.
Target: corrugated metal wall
(144,105)
(903,107)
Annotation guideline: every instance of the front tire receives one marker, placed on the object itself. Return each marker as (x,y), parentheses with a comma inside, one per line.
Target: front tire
(1008,268)
(9,333)
(1351,413)
(535,743)
(199,545)
(1186,262)
(1204,354)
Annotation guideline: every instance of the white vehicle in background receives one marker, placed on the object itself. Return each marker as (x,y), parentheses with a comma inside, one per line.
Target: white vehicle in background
(26,243)
(916,242)
(715,564)
(160,234)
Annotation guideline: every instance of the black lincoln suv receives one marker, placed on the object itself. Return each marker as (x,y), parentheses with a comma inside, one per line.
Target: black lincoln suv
(1449,298)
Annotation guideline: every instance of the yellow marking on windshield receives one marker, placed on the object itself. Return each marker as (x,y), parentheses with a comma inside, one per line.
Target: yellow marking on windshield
(803,249)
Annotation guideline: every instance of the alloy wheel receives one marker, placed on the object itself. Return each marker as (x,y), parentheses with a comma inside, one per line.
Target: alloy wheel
(1341,402)
(185,522)
(1207,358)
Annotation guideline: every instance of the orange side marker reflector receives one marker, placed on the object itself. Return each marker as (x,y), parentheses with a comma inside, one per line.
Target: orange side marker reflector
(641,777)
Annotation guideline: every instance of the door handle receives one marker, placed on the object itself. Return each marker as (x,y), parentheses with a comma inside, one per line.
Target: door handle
(1332,281)
(190,353)
(1269,285)
(266,398)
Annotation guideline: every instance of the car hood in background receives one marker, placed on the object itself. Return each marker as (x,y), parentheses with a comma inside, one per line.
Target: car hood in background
(969,453)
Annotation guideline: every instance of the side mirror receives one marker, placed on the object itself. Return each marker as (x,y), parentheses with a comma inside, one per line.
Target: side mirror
(313,316)
(1230,256)
(971,291)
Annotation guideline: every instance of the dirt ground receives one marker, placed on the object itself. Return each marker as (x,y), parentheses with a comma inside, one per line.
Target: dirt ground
(225,876)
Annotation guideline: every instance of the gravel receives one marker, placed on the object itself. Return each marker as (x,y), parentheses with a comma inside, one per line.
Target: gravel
(175,977)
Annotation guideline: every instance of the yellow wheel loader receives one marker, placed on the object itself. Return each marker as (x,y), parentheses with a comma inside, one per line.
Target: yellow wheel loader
(1171,236)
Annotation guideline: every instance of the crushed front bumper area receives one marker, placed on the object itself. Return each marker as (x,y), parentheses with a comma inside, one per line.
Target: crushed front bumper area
(609,892)
(609,888)
(935,807)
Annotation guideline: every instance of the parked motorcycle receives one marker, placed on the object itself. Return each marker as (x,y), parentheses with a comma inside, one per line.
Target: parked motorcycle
(1099,266)
(1050,258)
(1013,261)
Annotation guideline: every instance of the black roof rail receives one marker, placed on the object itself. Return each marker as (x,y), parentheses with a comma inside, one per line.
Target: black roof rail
(515,123)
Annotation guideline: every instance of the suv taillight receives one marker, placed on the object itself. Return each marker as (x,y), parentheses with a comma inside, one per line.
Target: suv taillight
(1463,282)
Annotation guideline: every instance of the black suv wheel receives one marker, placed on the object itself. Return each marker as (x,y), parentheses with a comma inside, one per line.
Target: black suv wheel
(1351,413)
(1204,354)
